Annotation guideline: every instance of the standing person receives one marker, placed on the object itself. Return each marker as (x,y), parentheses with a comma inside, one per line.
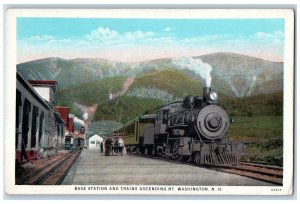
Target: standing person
(113,144)
(101,147)
(107,146)
(122,146)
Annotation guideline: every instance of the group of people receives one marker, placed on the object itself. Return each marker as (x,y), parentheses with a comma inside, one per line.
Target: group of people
(114,146)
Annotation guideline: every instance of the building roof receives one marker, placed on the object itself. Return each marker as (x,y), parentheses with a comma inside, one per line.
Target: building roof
(31,90)
(64,113)
(70,125)
(89,136)
(95,136)
(45,83)
(42,82)
(58,116)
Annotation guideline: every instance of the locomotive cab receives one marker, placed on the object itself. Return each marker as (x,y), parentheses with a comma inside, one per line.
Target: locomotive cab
(210,96)
(198,102)
(188,102)
(162,117)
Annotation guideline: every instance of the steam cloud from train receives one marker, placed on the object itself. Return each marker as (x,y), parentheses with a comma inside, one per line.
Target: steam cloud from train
(78,121)
(195,65)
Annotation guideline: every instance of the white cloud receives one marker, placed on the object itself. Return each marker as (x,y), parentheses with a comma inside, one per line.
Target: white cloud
(205,39)
(105,34)
(275,34)
(137,35)
(105,42)
(273,37)
(41,38)
(167,29)
(102,34)
(46,39)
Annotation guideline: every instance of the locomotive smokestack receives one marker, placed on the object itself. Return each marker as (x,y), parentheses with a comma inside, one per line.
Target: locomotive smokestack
(205,94)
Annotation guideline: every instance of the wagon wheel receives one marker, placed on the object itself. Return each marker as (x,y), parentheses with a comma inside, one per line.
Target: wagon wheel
(198,158)
(175,151)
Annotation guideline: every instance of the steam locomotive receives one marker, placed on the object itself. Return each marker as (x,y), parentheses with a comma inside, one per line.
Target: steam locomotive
(195,129)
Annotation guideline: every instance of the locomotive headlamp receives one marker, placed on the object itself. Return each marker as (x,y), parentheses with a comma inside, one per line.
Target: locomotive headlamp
(213,96)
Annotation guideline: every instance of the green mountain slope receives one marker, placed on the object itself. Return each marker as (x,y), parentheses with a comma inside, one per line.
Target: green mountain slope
(128,106)
(233,74)
(91,92)
(174,82)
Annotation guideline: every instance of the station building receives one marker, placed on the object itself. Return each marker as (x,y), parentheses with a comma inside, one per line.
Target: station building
(40,128)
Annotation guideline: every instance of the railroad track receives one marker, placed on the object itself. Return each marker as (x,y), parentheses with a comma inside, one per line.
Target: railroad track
(28,173)
(52,174)
(268,173)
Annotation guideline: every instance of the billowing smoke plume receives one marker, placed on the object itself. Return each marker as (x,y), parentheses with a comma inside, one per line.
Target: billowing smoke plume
(88,112)
(196,65)
(85,116)
(78,121)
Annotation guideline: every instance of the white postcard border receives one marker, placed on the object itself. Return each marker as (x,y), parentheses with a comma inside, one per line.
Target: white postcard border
(10,81)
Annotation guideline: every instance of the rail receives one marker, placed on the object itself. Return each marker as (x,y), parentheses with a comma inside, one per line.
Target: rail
(268,173)
(51,174)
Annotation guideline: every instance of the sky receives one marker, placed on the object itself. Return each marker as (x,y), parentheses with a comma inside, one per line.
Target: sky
(130,40)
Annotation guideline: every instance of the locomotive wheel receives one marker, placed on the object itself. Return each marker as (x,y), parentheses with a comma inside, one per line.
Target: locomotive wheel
(198,158)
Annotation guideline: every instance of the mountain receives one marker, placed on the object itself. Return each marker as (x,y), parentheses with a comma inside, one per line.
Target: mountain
(71,72)
(233,74)
(144,94)
(119,91)
(243,75)
(151,90)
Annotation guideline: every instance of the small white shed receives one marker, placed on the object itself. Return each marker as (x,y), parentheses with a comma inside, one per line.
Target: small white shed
(95,142)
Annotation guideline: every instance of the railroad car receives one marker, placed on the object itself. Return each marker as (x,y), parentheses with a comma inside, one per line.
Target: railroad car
(195,129)
(133,132)
(69,142)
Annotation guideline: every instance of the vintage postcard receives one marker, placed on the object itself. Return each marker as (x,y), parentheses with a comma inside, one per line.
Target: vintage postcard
(149,101)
